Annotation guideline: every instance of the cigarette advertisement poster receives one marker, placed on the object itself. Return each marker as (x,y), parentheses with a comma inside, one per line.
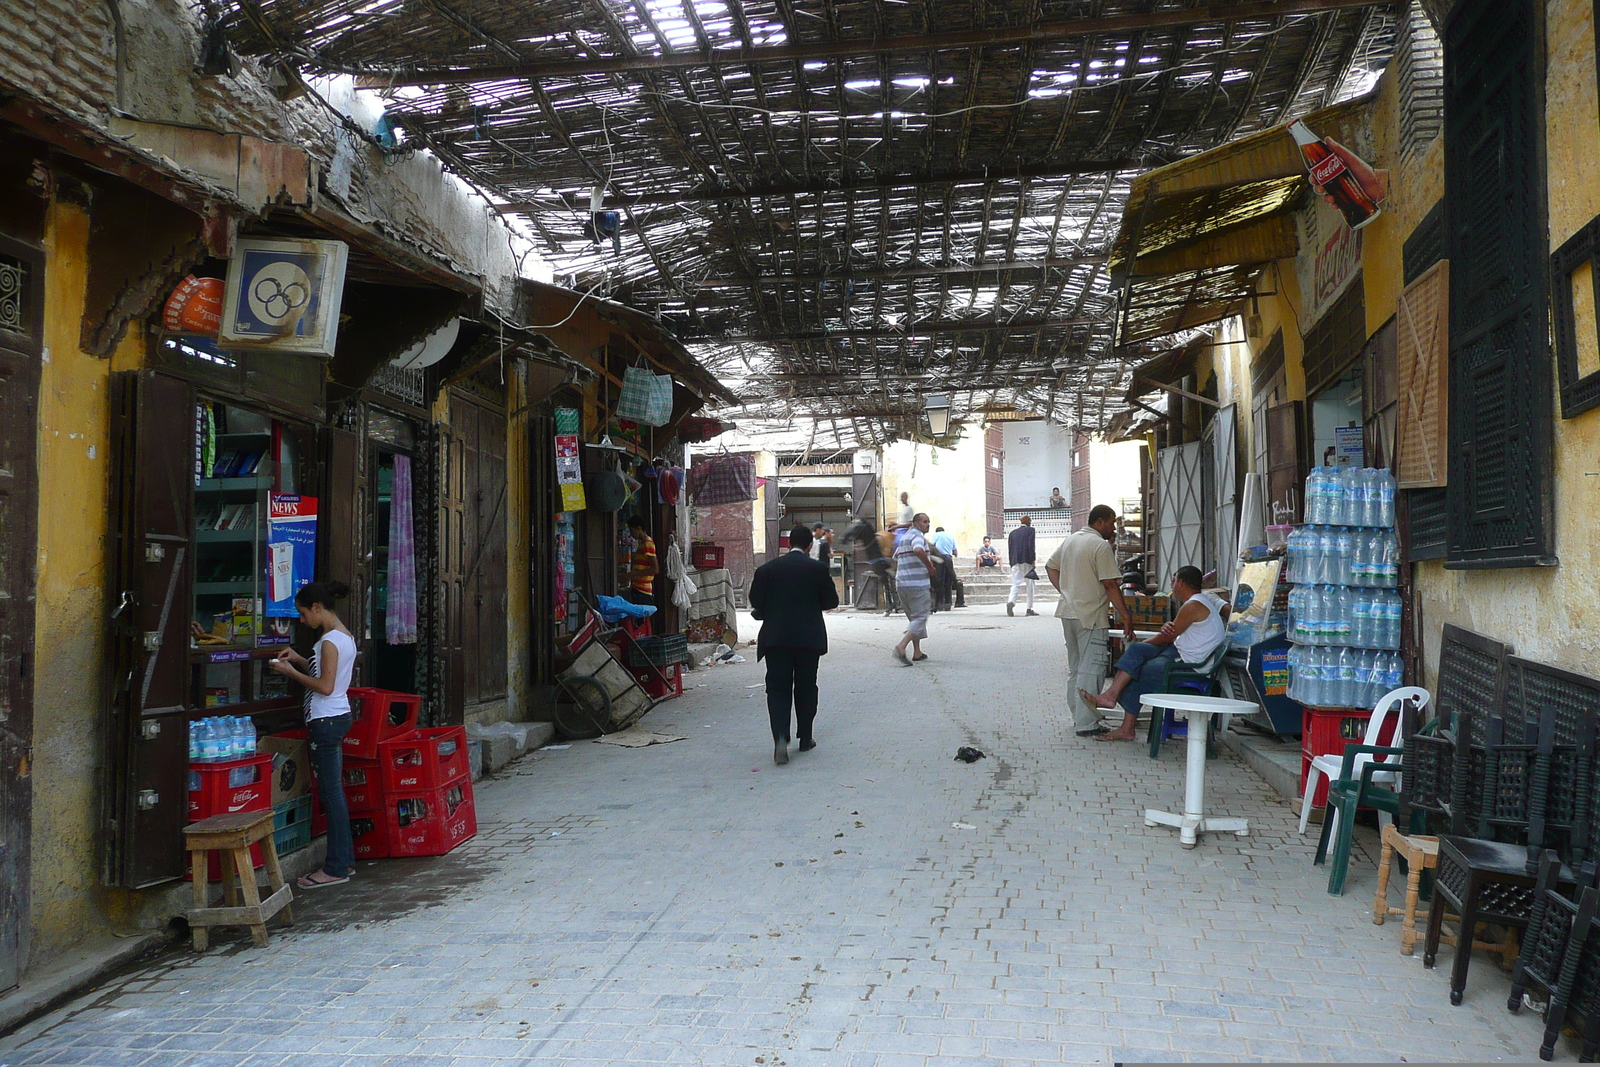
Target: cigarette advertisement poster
(291,550)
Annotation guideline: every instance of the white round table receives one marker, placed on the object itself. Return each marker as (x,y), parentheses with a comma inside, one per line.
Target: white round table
(1196,709)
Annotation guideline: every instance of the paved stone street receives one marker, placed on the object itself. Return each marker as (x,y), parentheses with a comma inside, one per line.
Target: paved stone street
(873,903)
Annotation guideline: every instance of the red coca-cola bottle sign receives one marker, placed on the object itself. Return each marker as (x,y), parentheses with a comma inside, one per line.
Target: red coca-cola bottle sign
(1329,170)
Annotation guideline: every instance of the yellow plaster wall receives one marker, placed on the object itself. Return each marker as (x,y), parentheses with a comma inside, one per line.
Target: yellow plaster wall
(1547,614)
(69,635)
(947,483)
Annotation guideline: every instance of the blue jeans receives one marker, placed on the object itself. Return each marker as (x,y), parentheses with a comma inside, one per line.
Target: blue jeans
(1147,664)
(327,761)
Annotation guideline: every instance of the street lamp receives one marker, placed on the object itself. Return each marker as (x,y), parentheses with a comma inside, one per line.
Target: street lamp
(937,408)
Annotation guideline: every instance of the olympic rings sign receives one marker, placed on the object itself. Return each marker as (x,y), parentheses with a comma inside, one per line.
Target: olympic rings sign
(285,295)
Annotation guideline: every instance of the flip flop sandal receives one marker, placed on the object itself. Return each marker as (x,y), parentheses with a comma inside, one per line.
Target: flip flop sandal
(919,659)
(305,882)
(1111,737)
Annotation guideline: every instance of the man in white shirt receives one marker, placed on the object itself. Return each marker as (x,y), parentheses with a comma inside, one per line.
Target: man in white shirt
(1084,570)
(1190,638)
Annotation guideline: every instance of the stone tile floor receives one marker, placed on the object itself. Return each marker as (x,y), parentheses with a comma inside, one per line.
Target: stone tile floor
(873,904)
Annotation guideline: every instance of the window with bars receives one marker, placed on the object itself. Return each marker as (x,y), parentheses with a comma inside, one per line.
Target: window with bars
(15,310)
(1426,245)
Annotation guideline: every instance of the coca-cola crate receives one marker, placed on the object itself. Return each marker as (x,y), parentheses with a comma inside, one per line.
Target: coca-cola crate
(705,557)
(376,715)
(428,759)
(430,822)
(233,785)
(363,791)
(651,680)
(1325,732)
(369,834)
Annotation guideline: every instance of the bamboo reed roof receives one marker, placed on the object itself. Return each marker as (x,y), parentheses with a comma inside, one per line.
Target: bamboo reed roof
(840,205)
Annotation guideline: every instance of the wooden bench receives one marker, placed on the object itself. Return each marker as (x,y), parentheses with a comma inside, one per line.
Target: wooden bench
(232,835)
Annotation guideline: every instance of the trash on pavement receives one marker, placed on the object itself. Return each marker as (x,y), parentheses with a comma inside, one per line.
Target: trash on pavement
(968,754)
(633,737)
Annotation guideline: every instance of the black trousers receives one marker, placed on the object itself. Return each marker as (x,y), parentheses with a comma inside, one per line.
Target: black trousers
(792,675)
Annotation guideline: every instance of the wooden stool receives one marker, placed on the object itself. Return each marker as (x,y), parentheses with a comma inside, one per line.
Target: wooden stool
(232,835)
(1421,854)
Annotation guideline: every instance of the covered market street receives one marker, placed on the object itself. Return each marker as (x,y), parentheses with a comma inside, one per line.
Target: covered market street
(874,902)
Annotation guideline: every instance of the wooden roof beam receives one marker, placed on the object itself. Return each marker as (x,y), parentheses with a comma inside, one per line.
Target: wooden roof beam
(898,273)
(896,332)
(870,181)
(919,42)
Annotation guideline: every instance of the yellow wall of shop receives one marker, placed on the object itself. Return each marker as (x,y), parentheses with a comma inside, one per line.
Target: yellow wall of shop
(69,633)
(947,483)
(1547,614)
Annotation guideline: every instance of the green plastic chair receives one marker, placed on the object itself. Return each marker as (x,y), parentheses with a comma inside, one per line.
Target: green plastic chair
(1349,793)
(1197,678)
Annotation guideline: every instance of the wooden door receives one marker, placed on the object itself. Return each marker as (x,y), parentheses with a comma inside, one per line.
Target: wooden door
(147,788)
(994,481)
(21,312)
(1081,493)
(346,535)
(1286,467)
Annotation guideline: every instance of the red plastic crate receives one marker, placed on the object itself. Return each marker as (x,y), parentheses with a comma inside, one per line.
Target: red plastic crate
(1325,732)
(705,557)
(376,716)
(363,791)
(650,680)
(635,628)
(434,820)
(369,833)
(211,794)
(427,759)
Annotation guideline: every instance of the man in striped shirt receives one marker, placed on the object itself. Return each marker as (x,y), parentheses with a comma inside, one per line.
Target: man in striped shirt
(913,580)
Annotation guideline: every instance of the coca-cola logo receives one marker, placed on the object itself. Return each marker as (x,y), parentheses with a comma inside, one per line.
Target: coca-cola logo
(1325,170)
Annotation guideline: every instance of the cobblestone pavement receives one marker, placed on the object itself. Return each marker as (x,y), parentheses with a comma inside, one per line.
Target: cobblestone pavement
(873,903)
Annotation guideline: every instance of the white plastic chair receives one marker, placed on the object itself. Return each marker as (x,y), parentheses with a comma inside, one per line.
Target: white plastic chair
(1331,764)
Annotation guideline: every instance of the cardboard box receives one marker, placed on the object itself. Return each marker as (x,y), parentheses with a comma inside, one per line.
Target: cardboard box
(291,766)
(1149,612)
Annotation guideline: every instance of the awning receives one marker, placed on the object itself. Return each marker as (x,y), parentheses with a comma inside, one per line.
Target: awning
(1169,368)
(1196,233)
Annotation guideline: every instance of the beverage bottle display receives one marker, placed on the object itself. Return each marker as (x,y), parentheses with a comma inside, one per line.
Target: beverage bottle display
(1329,170)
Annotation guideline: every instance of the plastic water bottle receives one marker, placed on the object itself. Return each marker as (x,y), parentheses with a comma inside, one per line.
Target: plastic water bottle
(1364,696)
(1389,565)
(1386,491)
(210,741)
(194,741)
(1314,490)
(1321,568)
(251,736)
(1391,632)
(1345,546)
(1361,619)
(1345,614)
(1310,683)
(1347,679)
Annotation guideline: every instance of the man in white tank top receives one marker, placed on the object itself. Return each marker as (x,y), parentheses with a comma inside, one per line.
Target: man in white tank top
(1201,625)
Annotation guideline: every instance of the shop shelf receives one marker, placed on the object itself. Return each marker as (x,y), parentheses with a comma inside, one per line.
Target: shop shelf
(223,588)
(206,537)
(251,484)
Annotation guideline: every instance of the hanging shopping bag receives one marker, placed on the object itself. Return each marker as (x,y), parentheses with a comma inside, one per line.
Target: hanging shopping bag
(724,479)
(659,410)
(634,401)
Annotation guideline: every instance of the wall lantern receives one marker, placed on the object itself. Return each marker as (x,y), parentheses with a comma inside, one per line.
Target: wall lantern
(937,407)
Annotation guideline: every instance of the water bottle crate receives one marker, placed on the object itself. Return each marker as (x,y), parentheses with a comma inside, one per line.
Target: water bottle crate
(231,786)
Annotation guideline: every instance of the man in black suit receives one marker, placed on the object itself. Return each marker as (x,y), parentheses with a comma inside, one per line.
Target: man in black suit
(789,595)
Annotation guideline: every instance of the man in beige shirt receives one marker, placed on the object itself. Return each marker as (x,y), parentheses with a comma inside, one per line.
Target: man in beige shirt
(1084,570)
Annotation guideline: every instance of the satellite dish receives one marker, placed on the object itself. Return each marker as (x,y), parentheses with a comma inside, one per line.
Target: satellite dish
(430,349)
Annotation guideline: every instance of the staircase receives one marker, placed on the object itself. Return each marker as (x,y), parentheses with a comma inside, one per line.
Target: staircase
(993,584)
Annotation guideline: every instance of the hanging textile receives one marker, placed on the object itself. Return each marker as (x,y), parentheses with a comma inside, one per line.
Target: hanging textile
(683,586)
(400,622)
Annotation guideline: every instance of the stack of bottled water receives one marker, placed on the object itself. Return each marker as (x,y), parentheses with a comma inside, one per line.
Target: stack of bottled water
(221,738)
(1344,610)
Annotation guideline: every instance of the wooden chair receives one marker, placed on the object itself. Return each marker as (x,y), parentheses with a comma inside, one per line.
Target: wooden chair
(232,834)
(1421,854)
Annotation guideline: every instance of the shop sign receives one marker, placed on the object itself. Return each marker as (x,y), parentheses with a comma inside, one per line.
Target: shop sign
(285,295)
(569,472)
(1349,446)
(291,550)
(194,307)
(1329,260)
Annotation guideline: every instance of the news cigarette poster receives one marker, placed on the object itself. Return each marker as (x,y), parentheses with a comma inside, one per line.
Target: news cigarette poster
(291,550)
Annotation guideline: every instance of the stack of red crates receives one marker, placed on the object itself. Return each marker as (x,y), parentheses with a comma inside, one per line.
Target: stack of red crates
(230,786)
(409,789)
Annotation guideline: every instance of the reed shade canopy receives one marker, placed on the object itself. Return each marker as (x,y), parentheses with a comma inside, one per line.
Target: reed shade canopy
(839,206)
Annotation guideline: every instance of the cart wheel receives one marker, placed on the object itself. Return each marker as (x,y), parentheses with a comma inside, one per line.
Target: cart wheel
(590,712)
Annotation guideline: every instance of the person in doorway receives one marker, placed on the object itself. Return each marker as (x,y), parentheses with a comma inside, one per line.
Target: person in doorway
(1056,499)
(643,565)
(914,584)
(822,545)
(326,677)
(907,512)
(788,595)
(944,582)
(1020,554)
(1084,570)
(988,555)
(1201,625)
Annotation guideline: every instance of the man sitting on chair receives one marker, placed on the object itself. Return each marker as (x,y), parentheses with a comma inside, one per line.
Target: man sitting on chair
(1191,638)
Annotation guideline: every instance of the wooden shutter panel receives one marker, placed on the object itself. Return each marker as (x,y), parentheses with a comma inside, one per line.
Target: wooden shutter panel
(1501,381)
(1423,358)
(1286,474)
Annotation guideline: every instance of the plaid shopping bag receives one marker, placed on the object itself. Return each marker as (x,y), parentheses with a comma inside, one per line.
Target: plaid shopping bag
(634,401)
(724,479)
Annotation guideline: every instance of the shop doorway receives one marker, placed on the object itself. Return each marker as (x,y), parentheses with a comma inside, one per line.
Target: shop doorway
(22,286)
(395,568)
